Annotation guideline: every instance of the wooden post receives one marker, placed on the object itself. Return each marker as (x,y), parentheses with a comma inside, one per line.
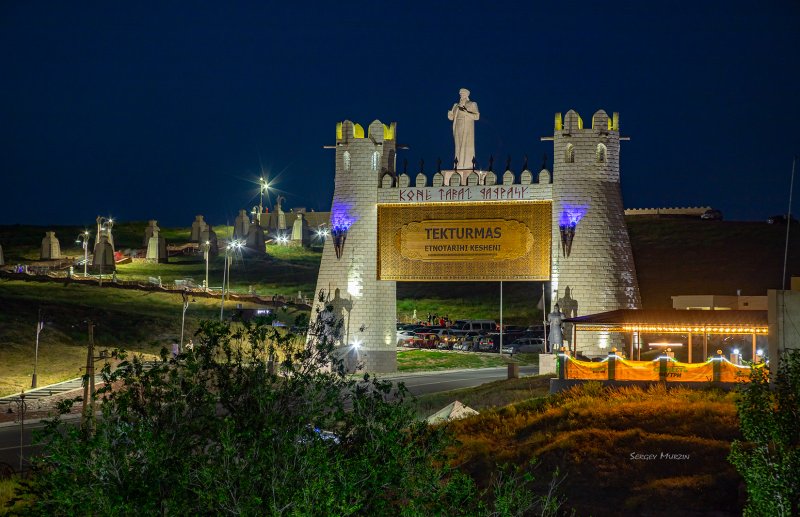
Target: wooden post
(633,336)
(690,346)
(717,365)
(612,364)
(705,344)
(574,340)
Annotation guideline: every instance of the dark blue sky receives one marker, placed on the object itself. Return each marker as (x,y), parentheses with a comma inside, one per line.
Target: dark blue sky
(168,109)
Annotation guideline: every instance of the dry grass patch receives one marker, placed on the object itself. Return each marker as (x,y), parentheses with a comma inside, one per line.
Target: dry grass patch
(614,445)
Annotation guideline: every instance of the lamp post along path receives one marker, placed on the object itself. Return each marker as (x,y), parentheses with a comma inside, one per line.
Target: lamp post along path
(39,327)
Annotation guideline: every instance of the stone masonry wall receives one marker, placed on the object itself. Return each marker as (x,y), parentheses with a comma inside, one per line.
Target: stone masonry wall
(366,305)
(599,275)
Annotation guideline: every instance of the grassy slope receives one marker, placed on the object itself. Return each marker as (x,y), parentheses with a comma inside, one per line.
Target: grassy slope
(590,433)
(136,320)
(680,256)
(420,360)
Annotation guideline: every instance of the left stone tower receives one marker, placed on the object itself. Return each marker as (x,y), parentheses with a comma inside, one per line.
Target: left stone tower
(348,274)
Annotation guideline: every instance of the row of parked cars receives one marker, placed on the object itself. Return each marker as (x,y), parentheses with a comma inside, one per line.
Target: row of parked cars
(472,336)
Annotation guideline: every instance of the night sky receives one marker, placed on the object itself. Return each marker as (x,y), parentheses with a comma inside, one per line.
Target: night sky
(164,110)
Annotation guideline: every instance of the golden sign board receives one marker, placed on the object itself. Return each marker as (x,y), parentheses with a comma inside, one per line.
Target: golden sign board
(464,241)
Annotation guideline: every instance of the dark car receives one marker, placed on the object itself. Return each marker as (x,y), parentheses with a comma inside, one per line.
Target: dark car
(780,219)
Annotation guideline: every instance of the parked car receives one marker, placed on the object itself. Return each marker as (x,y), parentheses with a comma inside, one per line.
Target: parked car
(712,215)
(425,340)
(525,345)
(491,342)
(464,326)
(468,342)
(447,337)
(487,343)
(780,219)
(403,336)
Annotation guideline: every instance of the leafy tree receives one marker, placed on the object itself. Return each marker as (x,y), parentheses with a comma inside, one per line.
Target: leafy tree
(769,458)
(217,431)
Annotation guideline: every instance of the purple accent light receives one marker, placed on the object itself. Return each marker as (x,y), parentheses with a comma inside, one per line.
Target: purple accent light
(567,222)
(571,215)
(341,222)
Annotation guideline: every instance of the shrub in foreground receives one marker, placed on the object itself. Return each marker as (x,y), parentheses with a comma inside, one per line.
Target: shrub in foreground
(217,430)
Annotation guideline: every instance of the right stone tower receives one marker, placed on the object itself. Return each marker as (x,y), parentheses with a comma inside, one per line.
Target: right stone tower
(592,262)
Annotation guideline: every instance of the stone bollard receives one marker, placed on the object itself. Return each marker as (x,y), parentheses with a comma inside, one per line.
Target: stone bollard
(612,364)
(662,368)
(717,365)
(561,363)
(513,371)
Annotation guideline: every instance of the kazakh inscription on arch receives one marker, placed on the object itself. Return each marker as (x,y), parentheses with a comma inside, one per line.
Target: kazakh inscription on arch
(471,193)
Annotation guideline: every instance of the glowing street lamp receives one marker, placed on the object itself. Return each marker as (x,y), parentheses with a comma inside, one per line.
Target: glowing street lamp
(263,186)
(83,238)
(226,272)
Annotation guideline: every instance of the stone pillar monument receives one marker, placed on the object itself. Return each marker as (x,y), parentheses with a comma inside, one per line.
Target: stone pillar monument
(242,225)
(197,226)
(156,246)
(281,214)
(300,231)
(51,248)
(592,263)
(255,239)
(103,256)
(148,231)
(104,227)
(348,271)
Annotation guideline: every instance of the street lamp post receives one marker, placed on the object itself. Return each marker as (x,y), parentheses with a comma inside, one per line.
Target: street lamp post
(39,327)
(207,253)
(185,295)
(83,239)
(226,272)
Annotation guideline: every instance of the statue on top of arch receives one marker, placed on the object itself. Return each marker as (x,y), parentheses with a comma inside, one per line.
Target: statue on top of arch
(464,113)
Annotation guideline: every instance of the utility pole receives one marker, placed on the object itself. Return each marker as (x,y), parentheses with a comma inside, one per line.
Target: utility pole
(88,380)
(21,406)
(788,224)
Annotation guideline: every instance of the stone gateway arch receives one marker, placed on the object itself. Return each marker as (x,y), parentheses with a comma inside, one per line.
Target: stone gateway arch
(566,228)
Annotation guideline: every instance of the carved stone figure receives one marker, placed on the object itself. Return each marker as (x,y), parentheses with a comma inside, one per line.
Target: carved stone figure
(51,247)
(281,213)
(555,319)
(242,225)
(464,113)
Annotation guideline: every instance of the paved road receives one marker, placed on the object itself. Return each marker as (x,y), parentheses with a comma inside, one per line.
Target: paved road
(417,384)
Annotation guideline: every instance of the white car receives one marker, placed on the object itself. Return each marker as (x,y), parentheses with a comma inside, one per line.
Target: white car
(404,336)
(525,345)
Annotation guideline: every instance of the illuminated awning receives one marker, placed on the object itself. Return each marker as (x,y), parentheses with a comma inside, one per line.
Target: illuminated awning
(674,321)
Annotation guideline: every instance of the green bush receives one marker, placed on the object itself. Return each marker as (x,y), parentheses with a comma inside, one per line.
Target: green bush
(769,457)
(218,431)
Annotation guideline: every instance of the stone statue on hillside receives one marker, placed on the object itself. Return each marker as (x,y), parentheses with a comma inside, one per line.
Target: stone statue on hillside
(464,113)
(555,319)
